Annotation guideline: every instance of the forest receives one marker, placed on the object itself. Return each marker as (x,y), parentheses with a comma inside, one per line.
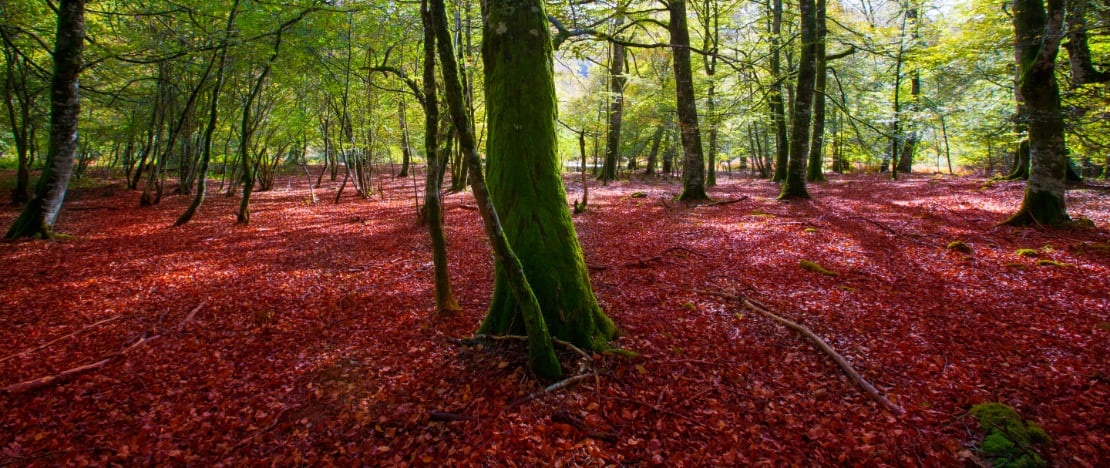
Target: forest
(582,232)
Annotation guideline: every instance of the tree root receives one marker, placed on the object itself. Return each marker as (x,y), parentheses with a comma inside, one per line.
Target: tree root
(761,309)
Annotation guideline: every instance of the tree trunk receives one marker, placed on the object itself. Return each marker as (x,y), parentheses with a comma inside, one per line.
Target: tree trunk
(213,113)
(814,170)
(909,142)
(795,184)
(693,167)
(518,67)
(710,21)
(40,213)
(19,116)
(778,105)
(616,113)
(445,299)
(1079,52)
(1038,33)
(525,184)
(653,155)
(406,150)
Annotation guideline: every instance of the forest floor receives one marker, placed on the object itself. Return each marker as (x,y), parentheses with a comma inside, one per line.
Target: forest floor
(310,336)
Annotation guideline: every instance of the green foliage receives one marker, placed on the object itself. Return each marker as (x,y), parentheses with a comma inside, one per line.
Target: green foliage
(1009,441)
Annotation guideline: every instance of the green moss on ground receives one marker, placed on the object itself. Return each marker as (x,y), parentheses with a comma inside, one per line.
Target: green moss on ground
(814,267)
(1009,441)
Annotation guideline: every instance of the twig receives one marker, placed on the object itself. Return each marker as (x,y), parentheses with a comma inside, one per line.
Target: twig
(844,365)
(69,374)
(557,341)
(258,432)
(448,417)
(192,314)
(577,422)
(550,388)
(892,231)
(725,202)
(47,344)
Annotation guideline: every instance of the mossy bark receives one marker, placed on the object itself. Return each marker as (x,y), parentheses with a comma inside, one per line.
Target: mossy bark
(39,214)
(778,104)
(795,184)
(616,113)
(524,183)
(510,271)
(1038,33)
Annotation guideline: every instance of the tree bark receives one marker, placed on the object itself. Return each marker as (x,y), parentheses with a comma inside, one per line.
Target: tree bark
(209,130)
(1079,51)
(1038,33)
(693,167)
(525,183)
(814,170)
(41,212)
(516,50)
(616,113)
(444,297)
(795,184)
(778,104)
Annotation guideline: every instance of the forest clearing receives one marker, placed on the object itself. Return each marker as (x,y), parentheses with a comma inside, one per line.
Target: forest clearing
(311,336)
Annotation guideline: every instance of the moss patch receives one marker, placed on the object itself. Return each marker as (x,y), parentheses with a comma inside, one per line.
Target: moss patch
(811,230)
(814,267)
(959,246)
(1047,262)
(1027,252)
(1008,440)
(637,195)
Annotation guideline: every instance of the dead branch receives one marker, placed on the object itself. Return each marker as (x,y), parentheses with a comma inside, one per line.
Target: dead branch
(761,309)
(887,229)
(47,344)
(576,421)
(565,344)
(550,388)
(192,314)
(69,374)
(448,417)
(597,267)
(684,249)
(724,202)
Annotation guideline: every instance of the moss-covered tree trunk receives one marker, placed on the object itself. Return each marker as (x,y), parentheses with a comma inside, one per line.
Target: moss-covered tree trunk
(406,150)
(1038,32)
(693,162)
(524,182)
(506,42)
(40,213)
(433,210)
(795,184)
(17,101)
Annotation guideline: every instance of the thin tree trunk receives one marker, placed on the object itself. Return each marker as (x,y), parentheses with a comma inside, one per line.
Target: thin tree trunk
(444,298)
(814,169)
(616,112)
(778,105)
(40,213)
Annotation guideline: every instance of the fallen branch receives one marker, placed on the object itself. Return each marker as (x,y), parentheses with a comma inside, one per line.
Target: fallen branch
(848,369)
(557,341)
(550,388)
(724,202)
(192,314)
(69,374)
(47,344)
(575,421)
(442,416)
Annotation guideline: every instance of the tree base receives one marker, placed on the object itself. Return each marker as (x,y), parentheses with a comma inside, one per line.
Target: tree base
(693,194)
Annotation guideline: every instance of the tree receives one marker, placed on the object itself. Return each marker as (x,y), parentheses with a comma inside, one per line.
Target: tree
(1038,31)
(693,167)
(778,102)
(795,184)
(616,110)
(524,180)
(433,210)
(40,213)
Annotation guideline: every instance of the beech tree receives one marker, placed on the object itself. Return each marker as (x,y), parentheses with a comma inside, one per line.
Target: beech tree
(524,181)
(693,162)
(794,186)
(40,213)
(1038,30)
